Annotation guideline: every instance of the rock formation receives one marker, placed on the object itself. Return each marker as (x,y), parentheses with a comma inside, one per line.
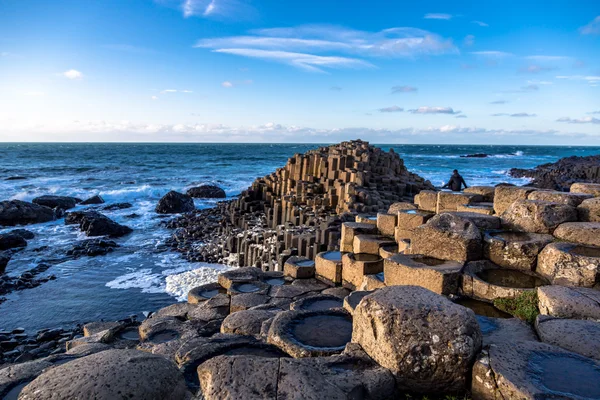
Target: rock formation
(561,174)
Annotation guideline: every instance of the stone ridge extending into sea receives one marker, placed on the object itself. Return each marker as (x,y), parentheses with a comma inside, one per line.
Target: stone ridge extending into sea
(356,280)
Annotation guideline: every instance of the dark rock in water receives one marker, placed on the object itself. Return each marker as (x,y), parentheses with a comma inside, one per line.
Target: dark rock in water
(63,202)
(476,155)
(92,247)
(175,203)
(95,224)
(207,192)
(16,178)
(93,200)
(24,233)
(132,216)
(11,241)
(4,259)
(561,174)
(116,206)
(17,212)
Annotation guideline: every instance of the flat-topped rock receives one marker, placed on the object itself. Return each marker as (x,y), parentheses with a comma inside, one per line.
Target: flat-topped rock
(366,219)
(449,201)
(215,308)
(504,196)
(570,199)
(485,280)
(164,329)
(13,378)
(439,276)
(537,216)
(388,251)
(246,322)
(570,264)
(256,287)
(505,330)
(299,267)
(586,188)
(578,336)
(311,333)
(589,210)
(356,266)
(447,237)
(110,375)
(408,220)
(320,302)
(370,244)
(386,223)
(351,229)
(328,267)
(245,301)
(533,370)
(573,302)
(354,298)
(514,250)
(245,274)
(587,233)
(372,282)
(425,340)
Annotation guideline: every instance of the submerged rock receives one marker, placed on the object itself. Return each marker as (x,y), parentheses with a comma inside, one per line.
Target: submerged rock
(207,192)
(17,212)
(175,203)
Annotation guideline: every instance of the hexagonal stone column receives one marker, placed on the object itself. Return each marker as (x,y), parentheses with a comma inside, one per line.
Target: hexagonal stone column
(515,250)
(328,267)
(356,266)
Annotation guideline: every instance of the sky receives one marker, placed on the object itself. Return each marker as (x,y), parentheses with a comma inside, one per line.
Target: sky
(316,71)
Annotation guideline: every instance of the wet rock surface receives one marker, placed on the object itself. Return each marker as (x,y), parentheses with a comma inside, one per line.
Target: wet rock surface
(94,223)
(175,203)
(62,202)
(17,212)
(206,192)
(578,336)
(92,248)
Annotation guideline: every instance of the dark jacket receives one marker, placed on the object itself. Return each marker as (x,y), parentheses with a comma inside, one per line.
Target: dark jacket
(455,183)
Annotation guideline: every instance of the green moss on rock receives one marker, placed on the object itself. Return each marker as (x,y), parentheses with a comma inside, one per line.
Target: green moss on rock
(523,306)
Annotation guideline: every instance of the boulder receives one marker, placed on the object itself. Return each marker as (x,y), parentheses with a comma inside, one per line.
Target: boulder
(570,264)
(578,336)
(565,302)
(570,199)
(175,203)
(426,200)
(94,223)
(447,237)
(533,370)
(93,200)
(11,241)
(247,322)
(24,233)
(586,233)
(537,216)
(586,188)
(117,206)
(425,340)
(563,173)
(514,250)
(504,196)
(110,374)
(17,212)
(206,192)
(62,202)
(14,377)
(589,210)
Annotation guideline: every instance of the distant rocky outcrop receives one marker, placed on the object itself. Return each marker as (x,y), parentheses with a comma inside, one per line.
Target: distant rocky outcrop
(17,212)
(476,155)
(561,174)
(207,192)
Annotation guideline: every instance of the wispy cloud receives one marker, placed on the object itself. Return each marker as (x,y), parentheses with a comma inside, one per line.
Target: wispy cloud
(524,89)
(592,79)
(438,16)
(584,120)
(499,102)
(594,112)
(434,110)
(391,109)
(593,28)
(492,53)
(238,9)
(154,98)
(165,91)
(227,84)
(480,23)
(469,40)
(73,74)
(515,115)
(404,89)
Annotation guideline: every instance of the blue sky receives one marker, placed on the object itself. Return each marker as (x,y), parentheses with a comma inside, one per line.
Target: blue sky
(502,72)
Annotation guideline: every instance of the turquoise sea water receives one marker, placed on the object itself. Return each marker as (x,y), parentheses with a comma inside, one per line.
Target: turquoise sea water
(141,275)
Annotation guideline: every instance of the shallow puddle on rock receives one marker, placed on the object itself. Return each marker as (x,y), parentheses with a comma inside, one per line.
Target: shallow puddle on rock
(165,336)
(209,294)
(486,324)
(275,281)
(13,394)
(322,304)
(510,278)
(246,287)
(325,331)
(129,334)
(332,255)
(482,308)
(305,263)
(566,375)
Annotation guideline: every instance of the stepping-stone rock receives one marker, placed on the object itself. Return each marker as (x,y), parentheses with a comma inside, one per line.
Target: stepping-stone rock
(356,266)
(294,291)
(486,192)
(370,244)
(175,203)
(17,212)
(110,374)
(386,223)
(565,302)
(63,202)
(570,264)
(311,333)
(508,330)
(207,192)
(400,206)
(482,221)
(328,267)
(245,274)
(352,300)
(578,336)
(504,196)
(449,201)
(102,337)
(426,200)
(319,302)
(570,199)
(439,276)
(216,308)
(177,310)
(351,229)
(587,188)
(514,250)
(247,322)
(537,216)
(245,301)
(587,233)
(478,208)
(200,294)
(424,339)
(447,237)
(589,210)
(487,281)
(299,267)
(532,370)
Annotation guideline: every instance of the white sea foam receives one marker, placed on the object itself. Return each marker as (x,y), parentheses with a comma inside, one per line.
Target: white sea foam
(142,279)
(179,285)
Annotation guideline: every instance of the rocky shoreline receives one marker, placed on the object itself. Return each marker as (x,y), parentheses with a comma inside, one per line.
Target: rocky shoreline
(562,174)
(356,279)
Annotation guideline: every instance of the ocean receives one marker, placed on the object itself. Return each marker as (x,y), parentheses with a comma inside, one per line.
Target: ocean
(143,275)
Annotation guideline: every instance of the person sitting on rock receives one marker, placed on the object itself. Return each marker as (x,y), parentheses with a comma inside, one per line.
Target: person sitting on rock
(455,183)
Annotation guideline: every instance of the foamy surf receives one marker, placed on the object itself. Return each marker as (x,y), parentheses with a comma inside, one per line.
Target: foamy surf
(179,285)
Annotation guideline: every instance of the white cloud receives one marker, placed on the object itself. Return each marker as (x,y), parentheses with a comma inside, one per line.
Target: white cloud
(438,16)
(461,116)
(480,23)
(391,109)
(515,115)
(584,120)
(404,89)
(236,9)
(593,28)
(544,83)
(590,78)
(536,69)
(227,84)
(434,110)
(73,74)
(175,91)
